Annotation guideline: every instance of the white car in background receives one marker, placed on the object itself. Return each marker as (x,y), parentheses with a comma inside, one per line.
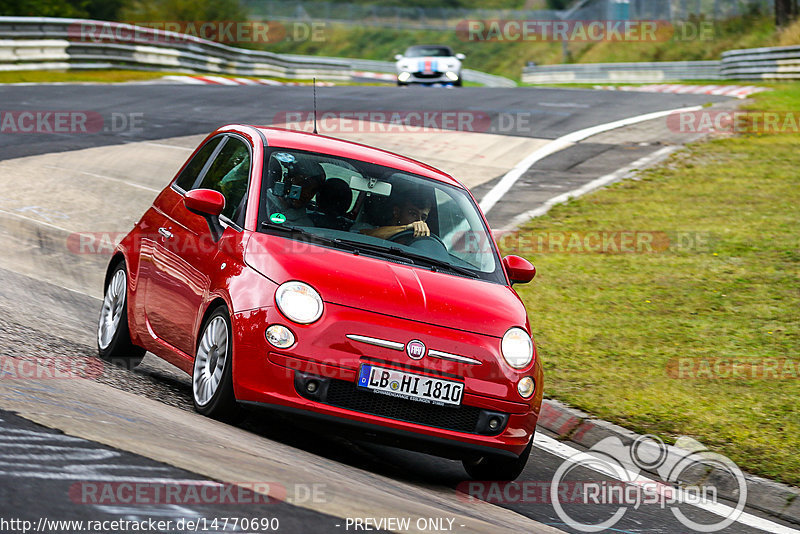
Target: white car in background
(429,64)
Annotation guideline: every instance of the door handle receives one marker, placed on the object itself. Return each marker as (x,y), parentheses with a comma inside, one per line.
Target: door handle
(165,233)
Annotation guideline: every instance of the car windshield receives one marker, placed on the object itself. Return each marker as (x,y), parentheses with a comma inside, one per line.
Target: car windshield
(428,51)
(371,209)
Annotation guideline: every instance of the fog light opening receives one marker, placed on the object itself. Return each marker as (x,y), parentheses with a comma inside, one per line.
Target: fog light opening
(494,423)
(279,336)
(525,387)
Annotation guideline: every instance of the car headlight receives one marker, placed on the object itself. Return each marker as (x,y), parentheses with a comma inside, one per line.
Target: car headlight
(299,302)
(451,76)
(517,348)
(403,76)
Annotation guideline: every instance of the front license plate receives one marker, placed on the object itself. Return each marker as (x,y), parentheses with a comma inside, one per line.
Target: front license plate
(410,386)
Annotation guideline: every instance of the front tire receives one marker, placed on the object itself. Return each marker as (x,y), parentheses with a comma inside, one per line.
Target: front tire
(212,376)
(114,343)
(496,467)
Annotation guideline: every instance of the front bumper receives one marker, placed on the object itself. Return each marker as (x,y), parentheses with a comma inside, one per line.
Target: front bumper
(270,377)
(429,78)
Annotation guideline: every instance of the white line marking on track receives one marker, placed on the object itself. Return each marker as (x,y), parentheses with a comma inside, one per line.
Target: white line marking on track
(102,176)
(53,226)
(162,145)
(587,188)
(507,182)
(562,105)
(562,450)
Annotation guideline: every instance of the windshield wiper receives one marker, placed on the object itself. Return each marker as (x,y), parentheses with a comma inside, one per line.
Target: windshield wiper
(411,257)
(393,252)
(281,227)
(358,246)
(294,230)
(436,263)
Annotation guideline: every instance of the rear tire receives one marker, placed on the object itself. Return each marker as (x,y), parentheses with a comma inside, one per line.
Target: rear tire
(497,467)
(212,375)
(114,343)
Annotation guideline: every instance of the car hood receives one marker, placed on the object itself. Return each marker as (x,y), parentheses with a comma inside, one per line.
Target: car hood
(389,288)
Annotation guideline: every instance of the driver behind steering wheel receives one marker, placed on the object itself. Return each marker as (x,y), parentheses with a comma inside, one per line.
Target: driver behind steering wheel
(409,212)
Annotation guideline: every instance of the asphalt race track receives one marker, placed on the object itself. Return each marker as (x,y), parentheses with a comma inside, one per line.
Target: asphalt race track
(164,111)
(121,426)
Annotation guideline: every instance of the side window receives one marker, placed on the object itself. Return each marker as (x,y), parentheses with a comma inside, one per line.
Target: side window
(229,174)
(189,175)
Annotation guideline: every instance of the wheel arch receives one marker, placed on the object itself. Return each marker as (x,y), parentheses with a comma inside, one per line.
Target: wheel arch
(212,305)
(115,260)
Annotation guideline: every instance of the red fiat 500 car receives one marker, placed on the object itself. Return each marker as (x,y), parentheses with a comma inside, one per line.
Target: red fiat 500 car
(330,279)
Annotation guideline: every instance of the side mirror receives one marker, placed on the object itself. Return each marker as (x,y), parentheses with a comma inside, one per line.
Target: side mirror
(519,270)
(462,57)
(208,204)
(398,57)
(205,202)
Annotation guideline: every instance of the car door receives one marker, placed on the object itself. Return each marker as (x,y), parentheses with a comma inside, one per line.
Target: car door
(183,259)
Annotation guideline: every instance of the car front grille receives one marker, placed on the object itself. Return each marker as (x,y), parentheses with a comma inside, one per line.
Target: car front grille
(427,75)
(344,394)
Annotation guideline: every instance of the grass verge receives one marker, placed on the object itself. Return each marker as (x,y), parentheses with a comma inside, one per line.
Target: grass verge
(679,342)
(96,76)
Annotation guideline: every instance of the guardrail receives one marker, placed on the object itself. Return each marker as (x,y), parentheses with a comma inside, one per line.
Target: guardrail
(54,43)
(622,72)
(778,63)
(28,43)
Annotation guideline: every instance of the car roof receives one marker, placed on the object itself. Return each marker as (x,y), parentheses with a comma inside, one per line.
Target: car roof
(279,137)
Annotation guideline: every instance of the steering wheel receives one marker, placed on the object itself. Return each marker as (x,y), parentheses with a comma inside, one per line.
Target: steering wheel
(410,233)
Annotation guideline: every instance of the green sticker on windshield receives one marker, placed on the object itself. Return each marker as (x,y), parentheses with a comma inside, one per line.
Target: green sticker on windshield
(278,218)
